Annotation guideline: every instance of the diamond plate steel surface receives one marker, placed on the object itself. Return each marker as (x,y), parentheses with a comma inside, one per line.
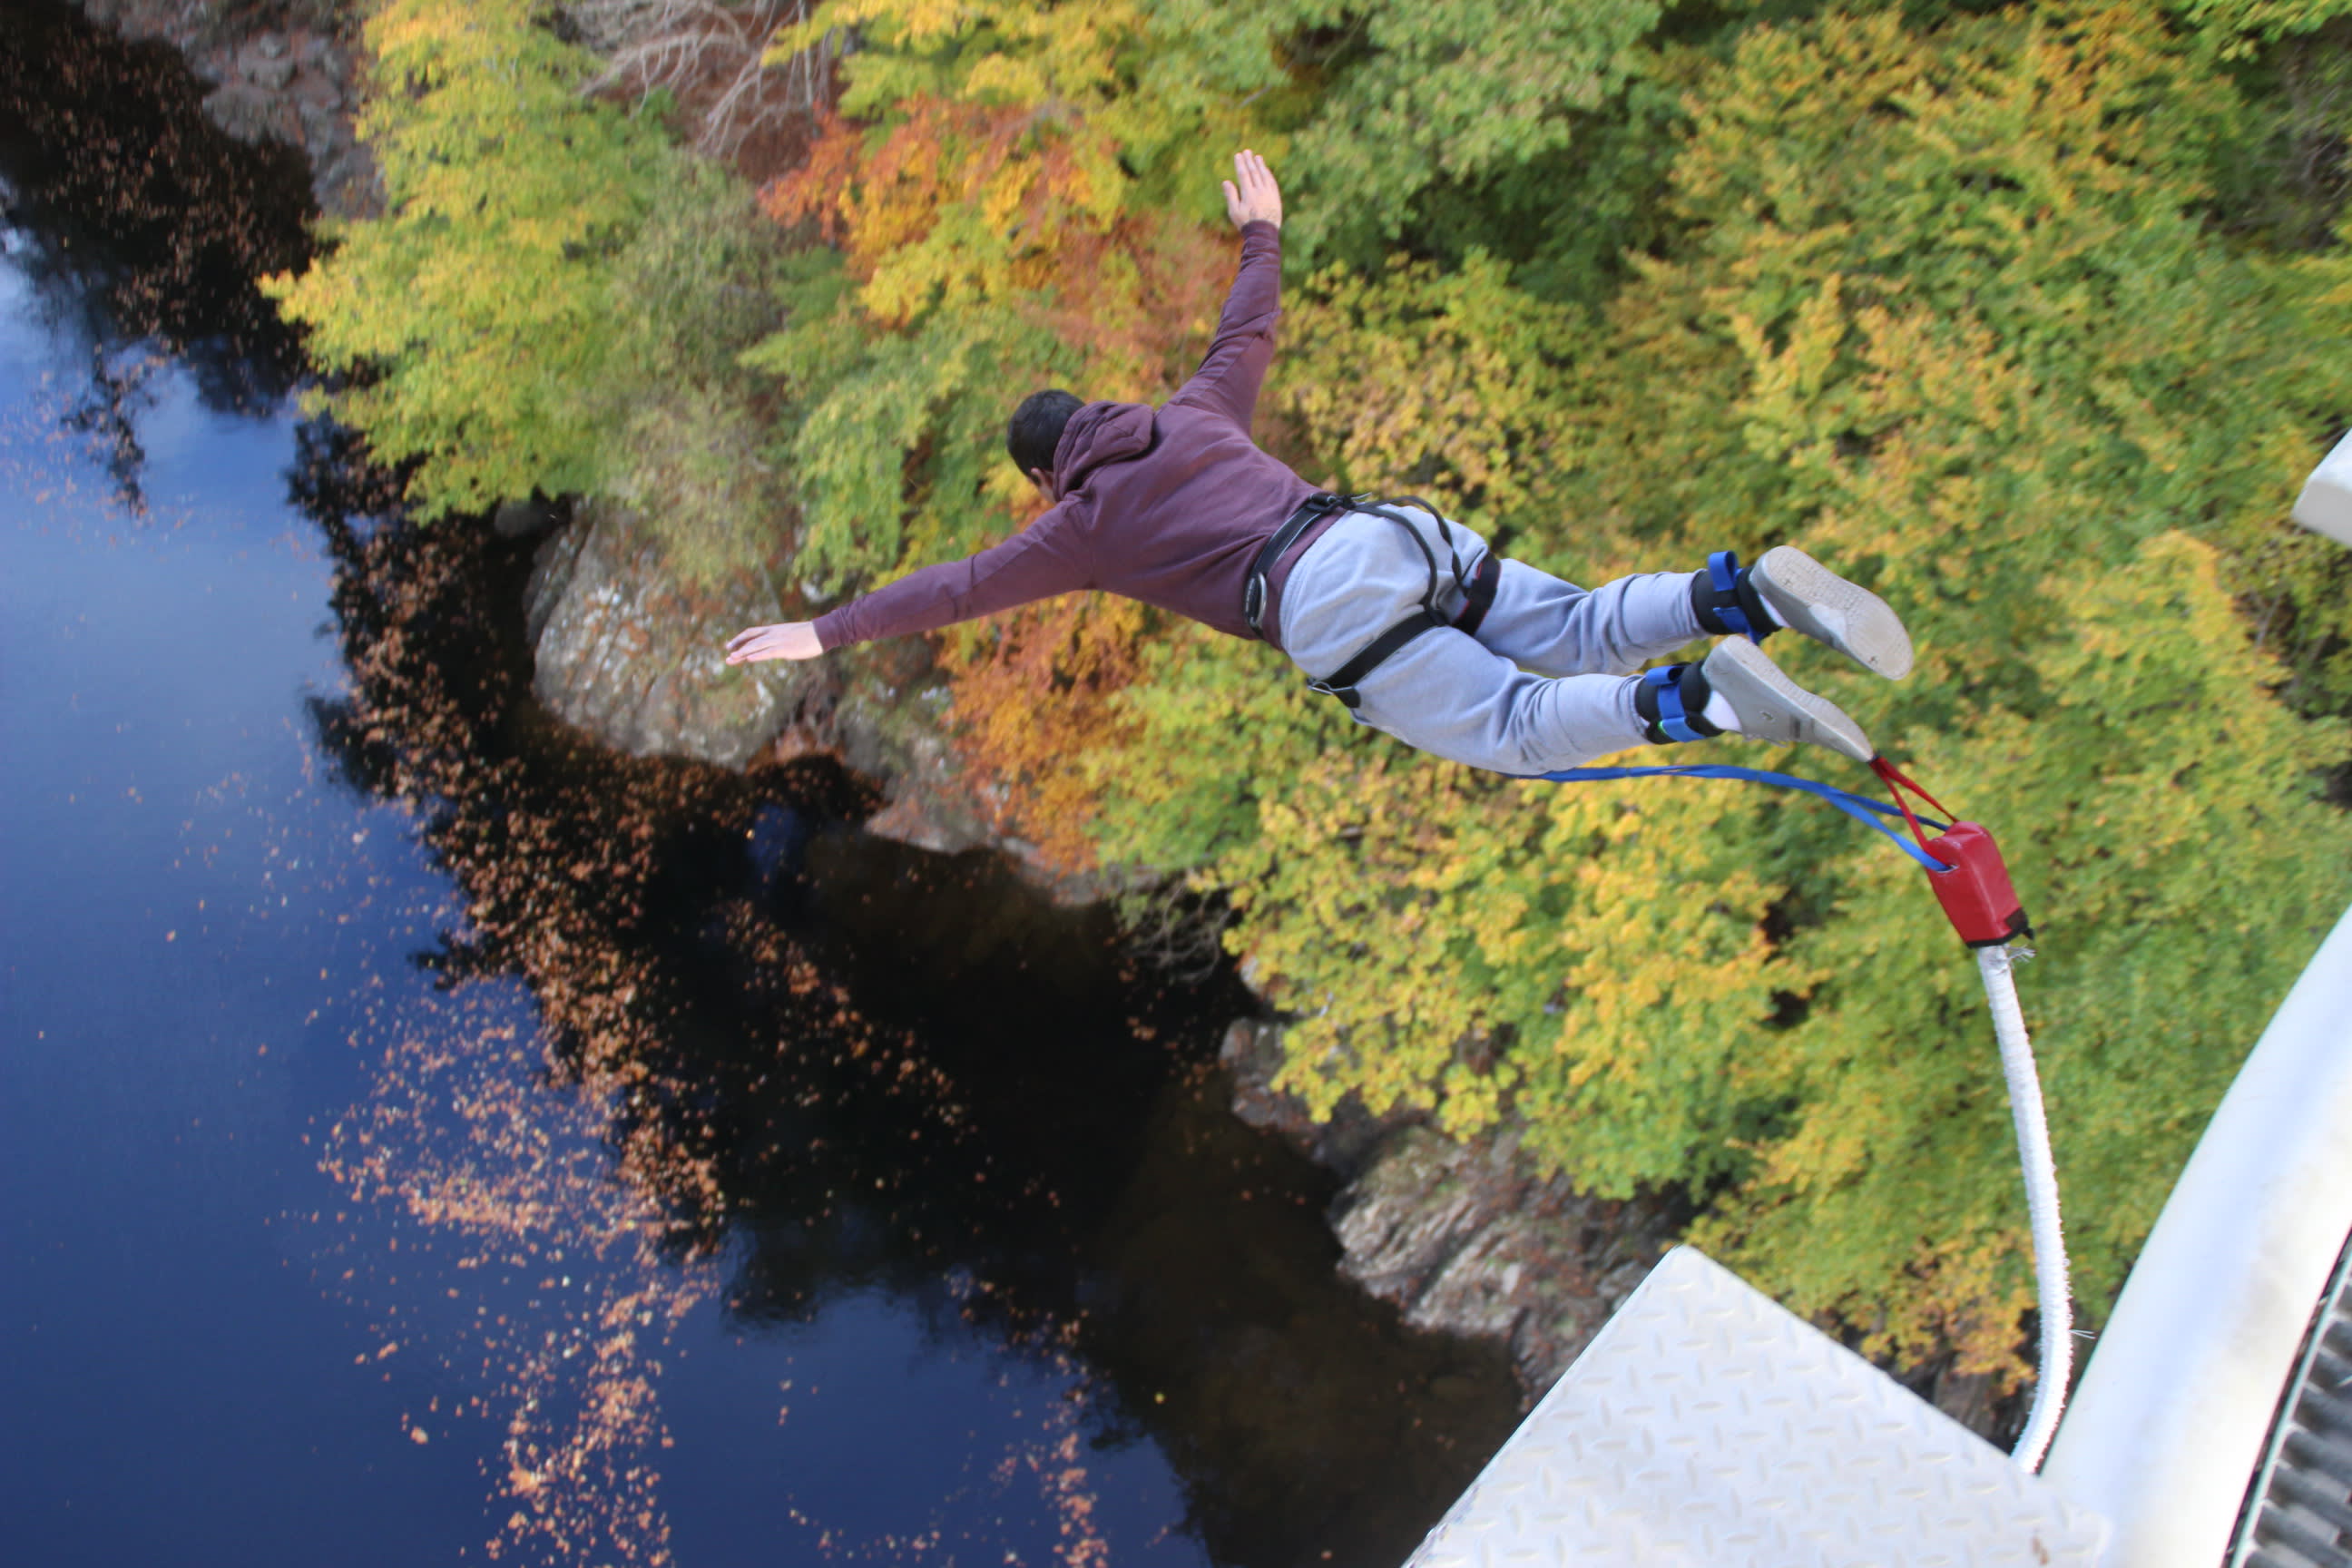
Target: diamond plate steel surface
(1707,1426)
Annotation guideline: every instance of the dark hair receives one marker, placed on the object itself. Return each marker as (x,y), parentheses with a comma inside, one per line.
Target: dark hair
(1036,428)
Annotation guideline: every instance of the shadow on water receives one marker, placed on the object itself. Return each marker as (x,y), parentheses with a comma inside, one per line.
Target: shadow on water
(841,1064)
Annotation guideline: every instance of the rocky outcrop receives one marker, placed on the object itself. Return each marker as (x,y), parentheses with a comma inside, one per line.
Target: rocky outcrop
(1466,1238)
(622,652)
(296,86)
(890,725)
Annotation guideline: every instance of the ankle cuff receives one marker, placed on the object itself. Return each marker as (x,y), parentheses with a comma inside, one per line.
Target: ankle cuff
(1726,602)
(1671,703)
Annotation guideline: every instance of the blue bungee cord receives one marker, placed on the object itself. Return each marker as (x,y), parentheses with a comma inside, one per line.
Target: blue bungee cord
(1861,807)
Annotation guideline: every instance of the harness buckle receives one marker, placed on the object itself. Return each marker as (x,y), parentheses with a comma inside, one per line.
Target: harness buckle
(1346,694)
(1254,593)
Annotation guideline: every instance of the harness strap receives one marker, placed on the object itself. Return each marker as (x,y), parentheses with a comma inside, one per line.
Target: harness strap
(1429,557)
(1477,587)
(1479,590)
(1315,507)
(1373,654)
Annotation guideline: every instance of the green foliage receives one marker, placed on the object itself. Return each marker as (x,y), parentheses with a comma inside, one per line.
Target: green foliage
(1942,307)
(553,299)
(2267,19)
(1446,96)
(893,438)
(1433,381)
(2280,188)
(478,304)
(702,281)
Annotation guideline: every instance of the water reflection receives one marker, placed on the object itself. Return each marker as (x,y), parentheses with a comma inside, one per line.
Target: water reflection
(141,230)
(850,1067)
(740,1184)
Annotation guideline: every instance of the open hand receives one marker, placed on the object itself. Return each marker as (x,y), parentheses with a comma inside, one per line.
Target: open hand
(1256,196)
(793,639)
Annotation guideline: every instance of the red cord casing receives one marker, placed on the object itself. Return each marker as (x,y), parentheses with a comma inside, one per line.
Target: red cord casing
(1975,893)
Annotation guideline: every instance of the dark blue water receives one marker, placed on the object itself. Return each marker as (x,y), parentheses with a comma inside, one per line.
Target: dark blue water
(423,1138)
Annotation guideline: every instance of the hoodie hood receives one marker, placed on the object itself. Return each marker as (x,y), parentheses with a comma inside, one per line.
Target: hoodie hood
(1097,434)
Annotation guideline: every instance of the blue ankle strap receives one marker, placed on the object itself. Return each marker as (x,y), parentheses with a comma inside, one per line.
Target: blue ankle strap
(1672,717)
(1723,575)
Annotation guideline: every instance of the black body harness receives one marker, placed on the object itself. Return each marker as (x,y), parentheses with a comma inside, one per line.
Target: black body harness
(1477,587)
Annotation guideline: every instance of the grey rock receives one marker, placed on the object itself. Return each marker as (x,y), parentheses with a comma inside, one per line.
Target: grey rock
(1404,1219)
(621,651)
(322,125)
(346,183)
(899,737)
(1476,1290)
(246,112)
(1464,1236)
(1472,1238)
(265,68)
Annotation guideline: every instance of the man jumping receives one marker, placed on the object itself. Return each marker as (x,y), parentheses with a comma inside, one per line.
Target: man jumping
(1403,614)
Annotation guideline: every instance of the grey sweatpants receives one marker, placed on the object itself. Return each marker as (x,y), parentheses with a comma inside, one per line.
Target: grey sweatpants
(1545,683)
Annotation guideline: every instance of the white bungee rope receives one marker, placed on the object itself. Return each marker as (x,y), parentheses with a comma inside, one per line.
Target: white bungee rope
(2051,1295)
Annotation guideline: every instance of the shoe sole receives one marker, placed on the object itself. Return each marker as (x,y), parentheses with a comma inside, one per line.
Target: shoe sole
(1816,601)
(1772,707)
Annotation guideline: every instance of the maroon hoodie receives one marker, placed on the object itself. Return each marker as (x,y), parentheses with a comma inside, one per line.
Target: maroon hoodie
(1168,505)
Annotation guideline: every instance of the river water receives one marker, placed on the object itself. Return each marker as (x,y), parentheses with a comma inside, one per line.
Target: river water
(426,1138)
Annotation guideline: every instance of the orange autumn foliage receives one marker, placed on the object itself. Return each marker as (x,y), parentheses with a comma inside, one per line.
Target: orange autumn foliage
(1129,297)
(1034,693)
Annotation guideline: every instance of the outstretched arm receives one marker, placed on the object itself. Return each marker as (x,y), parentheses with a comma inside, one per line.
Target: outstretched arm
(1041,559)
(1228,379)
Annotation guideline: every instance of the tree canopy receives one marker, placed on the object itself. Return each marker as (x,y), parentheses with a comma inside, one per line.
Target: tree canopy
(1988,306)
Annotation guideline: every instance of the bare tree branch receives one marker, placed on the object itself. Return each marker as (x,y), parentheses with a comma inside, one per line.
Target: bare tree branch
(710,55)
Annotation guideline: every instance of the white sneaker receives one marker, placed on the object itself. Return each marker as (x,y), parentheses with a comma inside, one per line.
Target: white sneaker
(1772,707)
(1807,596)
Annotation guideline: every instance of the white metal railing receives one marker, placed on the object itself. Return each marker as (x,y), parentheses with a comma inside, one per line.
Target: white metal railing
(2171,1418)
